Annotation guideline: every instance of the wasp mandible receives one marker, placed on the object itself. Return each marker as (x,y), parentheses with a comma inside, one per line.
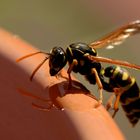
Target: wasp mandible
(83,59)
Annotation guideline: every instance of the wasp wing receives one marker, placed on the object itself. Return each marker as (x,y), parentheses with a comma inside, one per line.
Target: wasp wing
(113,61)
(118,36)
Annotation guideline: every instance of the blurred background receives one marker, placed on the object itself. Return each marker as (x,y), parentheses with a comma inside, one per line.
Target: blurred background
(49,23)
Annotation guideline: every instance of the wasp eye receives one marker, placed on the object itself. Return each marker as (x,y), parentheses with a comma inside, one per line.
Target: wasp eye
(57,60)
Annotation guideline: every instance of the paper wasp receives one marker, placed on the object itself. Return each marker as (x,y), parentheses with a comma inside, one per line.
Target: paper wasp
(83,58)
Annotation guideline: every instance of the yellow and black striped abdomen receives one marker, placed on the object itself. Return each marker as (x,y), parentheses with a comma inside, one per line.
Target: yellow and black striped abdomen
(130,101)
(119,78)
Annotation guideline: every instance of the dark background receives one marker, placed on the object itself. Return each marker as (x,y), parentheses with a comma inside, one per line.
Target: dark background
(49,23)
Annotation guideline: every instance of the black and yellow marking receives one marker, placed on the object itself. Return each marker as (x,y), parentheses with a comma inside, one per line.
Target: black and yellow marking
(83,58)
(130,101)
(128,89)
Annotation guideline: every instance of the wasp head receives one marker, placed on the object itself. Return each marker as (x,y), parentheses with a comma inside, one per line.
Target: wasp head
(57,60)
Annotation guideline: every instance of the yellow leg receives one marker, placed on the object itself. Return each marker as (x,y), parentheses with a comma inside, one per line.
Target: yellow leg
(100,87)
(74,63)
(109,102)
(118,93)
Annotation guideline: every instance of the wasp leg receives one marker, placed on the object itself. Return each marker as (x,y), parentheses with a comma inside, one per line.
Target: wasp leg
(116,104)
(100,87)
(42,108)
(46,108)
(109,102)
(74,63)
(49,102)
(25,93)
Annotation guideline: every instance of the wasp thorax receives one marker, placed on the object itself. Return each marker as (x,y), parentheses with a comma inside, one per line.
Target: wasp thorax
(57,60)
(83,48)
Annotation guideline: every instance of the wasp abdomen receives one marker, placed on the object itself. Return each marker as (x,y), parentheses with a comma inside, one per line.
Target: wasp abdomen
(130,94)
(130,101)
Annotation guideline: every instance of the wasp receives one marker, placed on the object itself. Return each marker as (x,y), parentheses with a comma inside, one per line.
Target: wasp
(83,58)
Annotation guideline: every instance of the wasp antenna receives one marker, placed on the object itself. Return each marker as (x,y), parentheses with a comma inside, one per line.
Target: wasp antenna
(31,54)
(25,93)
(113,61)
(37,68)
